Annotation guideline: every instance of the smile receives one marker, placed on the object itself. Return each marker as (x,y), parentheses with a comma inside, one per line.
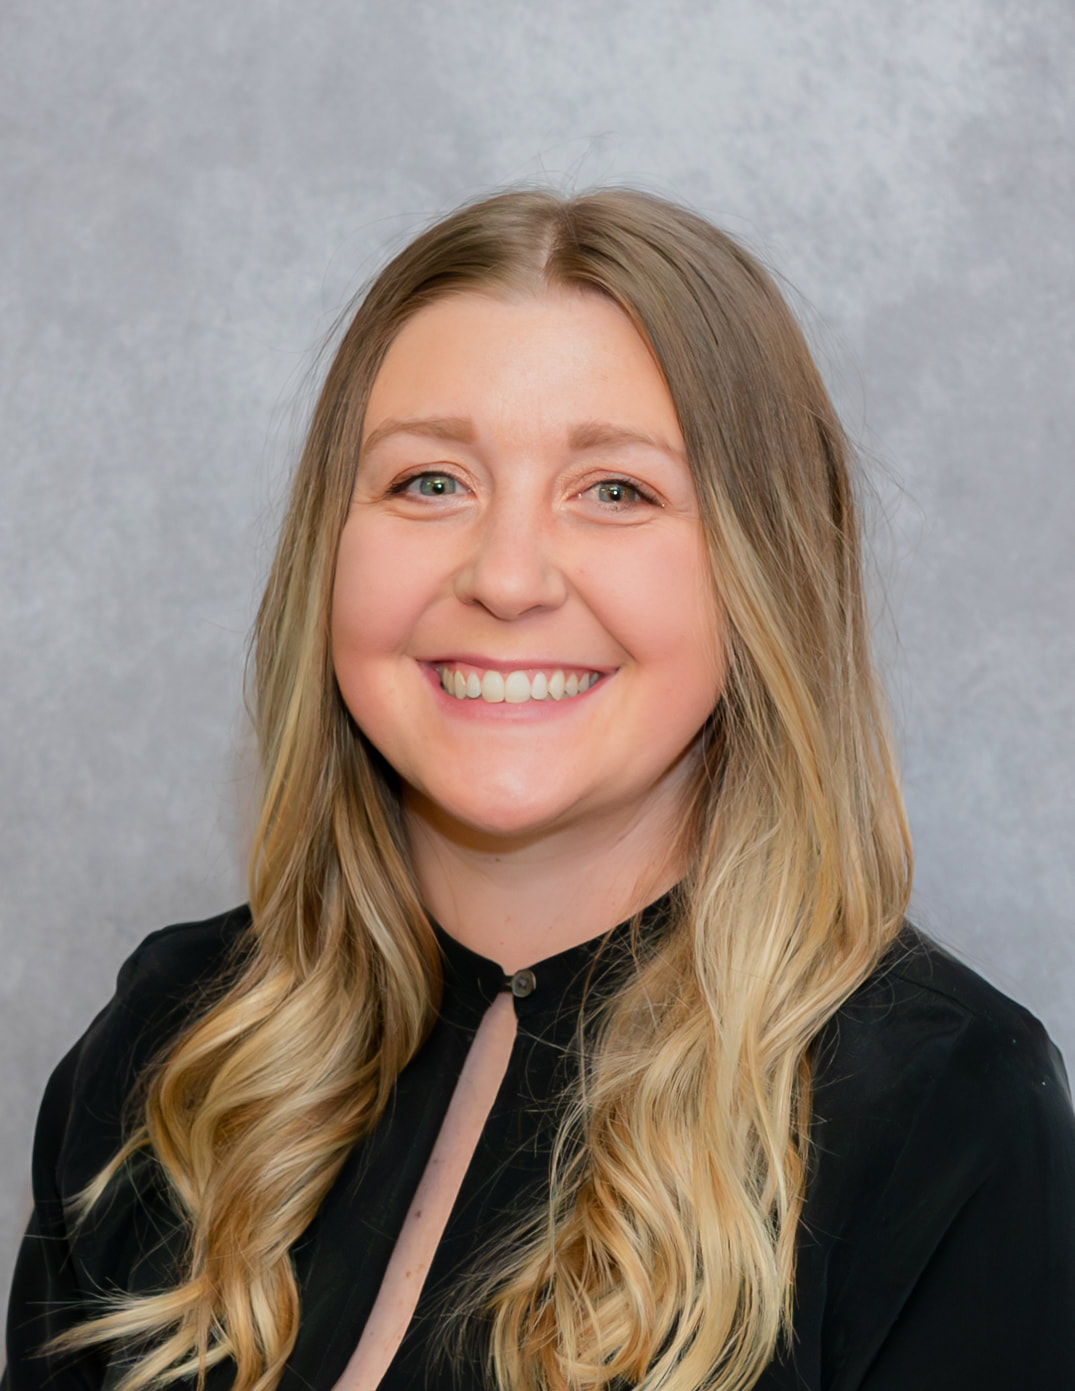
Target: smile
(515,687)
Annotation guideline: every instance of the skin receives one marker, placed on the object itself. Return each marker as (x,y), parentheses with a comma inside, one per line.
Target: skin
(523,501)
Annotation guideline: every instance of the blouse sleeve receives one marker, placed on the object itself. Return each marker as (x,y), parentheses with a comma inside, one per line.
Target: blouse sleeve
(46,1297)
(131,1237)
(951,1197)
(993,1307)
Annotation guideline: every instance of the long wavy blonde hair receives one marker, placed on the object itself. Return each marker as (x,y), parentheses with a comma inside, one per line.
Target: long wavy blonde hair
(665,1252)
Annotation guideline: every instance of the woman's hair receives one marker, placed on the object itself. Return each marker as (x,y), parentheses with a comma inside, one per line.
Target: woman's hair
(665,1253)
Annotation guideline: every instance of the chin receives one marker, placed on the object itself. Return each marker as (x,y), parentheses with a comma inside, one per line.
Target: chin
(505,816)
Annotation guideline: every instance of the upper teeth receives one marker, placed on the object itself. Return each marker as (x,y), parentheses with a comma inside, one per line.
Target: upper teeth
(514,687)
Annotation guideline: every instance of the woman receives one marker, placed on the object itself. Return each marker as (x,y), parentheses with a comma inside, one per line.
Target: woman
(573,1037)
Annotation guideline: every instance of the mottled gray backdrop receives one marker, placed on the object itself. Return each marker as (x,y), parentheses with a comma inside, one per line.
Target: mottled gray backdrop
(190,193)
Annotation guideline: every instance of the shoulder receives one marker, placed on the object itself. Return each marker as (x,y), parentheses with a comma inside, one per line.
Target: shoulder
(928,1051)
(165,983)
(133,1240)
(943,1157)
(178,964)
(167,979)
(924,1022)
(928,1082)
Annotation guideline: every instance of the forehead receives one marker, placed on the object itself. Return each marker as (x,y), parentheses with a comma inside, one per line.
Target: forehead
(554,361)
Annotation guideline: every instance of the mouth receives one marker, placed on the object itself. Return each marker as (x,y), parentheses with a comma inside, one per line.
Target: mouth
(463,681)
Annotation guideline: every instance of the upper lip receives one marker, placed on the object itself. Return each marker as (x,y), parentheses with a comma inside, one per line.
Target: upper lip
(471,659)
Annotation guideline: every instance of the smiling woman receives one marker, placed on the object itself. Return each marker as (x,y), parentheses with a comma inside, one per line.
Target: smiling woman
(574,1037)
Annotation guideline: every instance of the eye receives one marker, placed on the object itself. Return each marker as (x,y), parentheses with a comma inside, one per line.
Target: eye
(429,484)
(618,493)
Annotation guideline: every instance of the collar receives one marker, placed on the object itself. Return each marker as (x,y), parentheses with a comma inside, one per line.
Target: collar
(554,986)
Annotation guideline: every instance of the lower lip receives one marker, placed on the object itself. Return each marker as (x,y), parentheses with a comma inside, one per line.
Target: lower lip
(522,712)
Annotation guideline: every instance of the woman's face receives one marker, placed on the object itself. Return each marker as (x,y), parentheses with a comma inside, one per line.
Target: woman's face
(523,620)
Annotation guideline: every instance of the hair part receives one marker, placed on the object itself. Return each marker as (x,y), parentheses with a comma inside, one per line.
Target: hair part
(665,1252)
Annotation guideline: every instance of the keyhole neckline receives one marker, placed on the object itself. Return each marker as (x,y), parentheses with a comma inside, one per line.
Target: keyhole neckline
(551,987)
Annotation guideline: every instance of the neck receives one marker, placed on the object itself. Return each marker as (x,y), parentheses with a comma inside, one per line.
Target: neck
(519,901)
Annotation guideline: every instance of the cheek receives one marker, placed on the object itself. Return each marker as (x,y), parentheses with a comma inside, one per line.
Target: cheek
(371,604)
(665,613)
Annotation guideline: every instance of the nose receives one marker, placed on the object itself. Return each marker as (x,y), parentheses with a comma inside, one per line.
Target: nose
(511,567)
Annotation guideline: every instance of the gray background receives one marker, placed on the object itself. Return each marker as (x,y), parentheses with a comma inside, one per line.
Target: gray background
(191,191)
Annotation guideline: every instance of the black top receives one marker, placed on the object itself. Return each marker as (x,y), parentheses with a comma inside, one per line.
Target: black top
(937,1248)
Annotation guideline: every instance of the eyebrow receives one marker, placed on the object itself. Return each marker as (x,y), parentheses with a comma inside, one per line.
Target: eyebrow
(589,434)
(598,434)
(454,428)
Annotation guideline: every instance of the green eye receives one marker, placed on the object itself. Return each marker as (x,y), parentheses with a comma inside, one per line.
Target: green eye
(617,491)
(435,484)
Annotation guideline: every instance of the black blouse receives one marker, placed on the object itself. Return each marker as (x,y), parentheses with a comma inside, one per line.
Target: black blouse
(936,1251)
